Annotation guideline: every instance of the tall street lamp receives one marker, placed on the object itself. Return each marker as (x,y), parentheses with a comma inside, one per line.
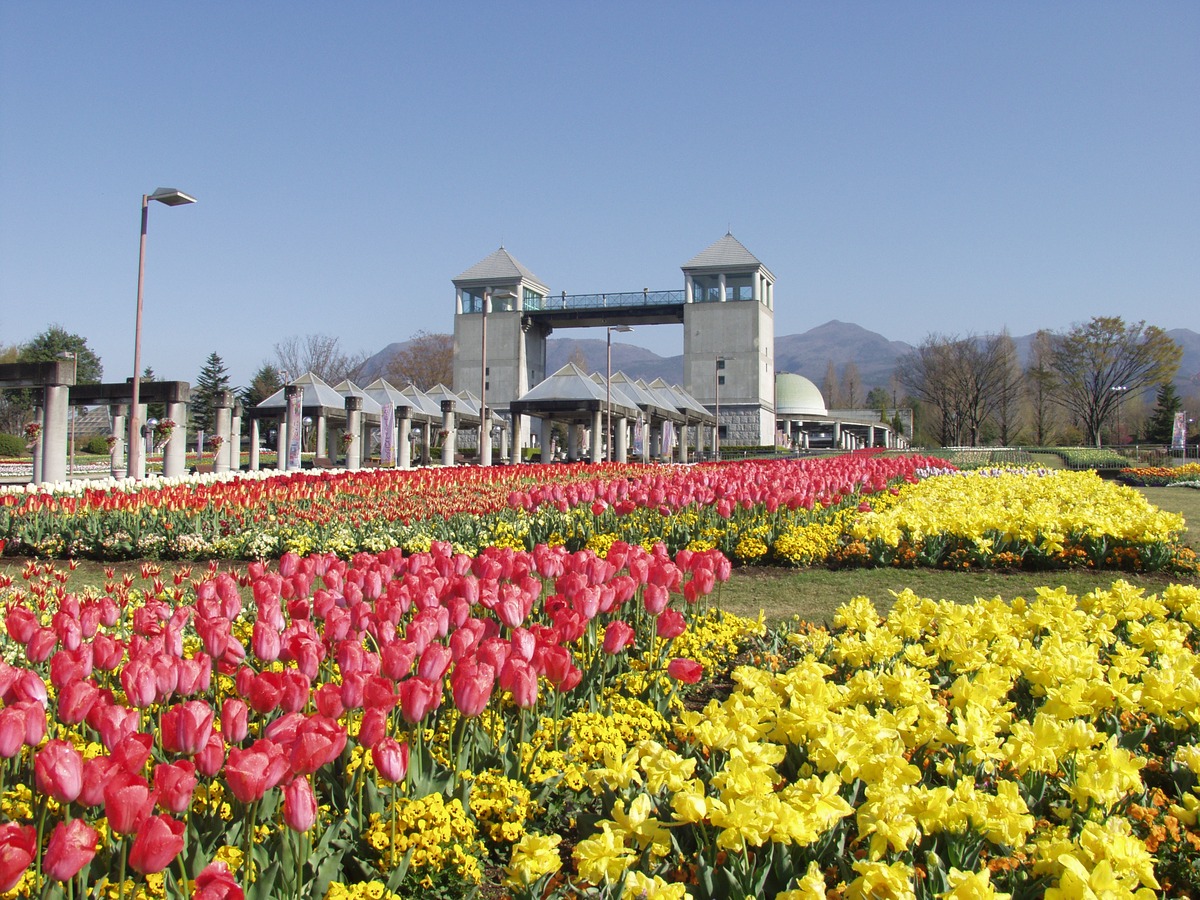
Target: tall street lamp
(1119,390)
(170,197)
(74,358)
(608,392)
(719,367)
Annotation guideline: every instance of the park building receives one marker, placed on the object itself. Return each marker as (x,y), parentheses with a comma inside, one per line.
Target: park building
(504,314)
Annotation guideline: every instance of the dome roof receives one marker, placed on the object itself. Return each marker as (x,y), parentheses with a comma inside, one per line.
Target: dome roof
(796,395)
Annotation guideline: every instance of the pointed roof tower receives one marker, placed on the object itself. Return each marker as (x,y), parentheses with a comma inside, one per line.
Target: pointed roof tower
(500,268)
(726,254)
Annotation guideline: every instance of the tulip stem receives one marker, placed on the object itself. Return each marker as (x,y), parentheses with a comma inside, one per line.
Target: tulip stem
(121,870)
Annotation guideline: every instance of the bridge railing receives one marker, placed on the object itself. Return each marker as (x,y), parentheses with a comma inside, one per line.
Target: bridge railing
(604,301)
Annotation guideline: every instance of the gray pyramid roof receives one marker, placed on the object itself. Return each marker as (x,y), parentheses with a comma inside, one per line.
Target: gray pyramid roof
(466,409)
(727,253)
(571,384)
(348,388)
(499,268)
(317,393)
(663,400)
(423,402)
(620,391)
(684,401)
(383,391)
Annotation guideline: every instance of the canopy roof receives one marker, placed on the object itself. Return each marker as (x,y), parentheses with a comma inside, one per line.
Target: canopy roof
(571,395)
(318,398)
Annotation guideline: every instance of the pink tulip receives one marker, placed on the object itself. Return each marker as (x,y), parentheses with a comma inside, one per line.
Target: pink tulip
(519,678)
(299,805)
(216,882)
(617,636)
(235,715)
(185,728)
(174,784)
(391,759)
(12,731)
(687,671)
(127,801)
(158,842)
(97,772)
(72,846)
(471,685)
(58,771)
(18,844)
(418,698)
(670,624)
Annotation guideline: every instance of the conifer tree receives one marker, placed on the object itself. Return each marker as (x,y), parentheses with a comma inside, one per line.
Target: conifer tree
(213,378)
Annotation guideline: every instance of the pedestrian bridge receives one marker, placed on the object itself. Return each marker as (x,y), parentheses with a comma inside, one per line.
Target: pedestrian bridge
(643,307)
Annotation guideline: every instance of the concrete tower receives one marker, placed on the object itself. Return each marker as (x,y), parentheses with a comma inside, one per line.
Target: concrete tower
(729,340)
(514,358)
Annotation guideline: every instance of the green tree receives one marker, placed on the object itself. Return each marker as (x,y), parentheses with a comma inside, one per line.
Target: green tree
(1161,425)
(1100,361)
(213,378)
(266,381)
(55,341)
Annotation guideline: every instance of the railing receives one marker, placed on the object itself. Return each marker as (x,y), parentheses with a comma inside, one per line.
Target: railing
(635,299)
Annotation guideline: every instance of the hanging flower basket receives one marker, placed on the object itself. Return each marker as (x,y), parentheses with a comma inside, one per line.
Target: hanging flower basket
(33,431)
(347,439)
(163,429)
(112,441)
(216,442)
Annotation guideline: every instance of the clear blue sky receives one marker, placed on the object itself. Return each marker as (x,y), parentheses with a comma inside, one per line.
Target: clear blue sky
(911,167)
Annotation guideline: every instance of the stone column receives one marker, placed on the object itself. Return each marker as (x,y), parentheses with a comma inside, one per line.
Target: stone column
(235,436)
(175,452)
(354,429)
(622,442)
(683,442)
(254,439)
(504,448)
(321,442)
(38,455)
(222,419)
(404,440)
(547,437)
(721,285)
(597,436)
(485,437)
(54,432)
(448,428)
(117,457)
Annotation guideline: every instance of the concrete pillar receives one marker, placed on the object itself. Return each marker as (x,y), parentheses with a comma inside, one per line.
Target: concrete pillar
(117,456)
(281,443)
(38,456)
(598,436)
(458,301)
(574,442)
(448,432)
(404,438)
(235,436)
(254,439)
(485,438)
(547,438)
(295,424)
(683,442)
(54,432)
(689,289)
(175,450)
(504,448)
(222,422)
(721,285)
(322,440)
(354,428)
(837,433)
(622,442)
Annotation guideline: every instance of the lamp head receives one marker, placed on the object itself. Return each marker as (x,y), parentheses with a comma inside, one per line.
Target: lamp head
(171,197)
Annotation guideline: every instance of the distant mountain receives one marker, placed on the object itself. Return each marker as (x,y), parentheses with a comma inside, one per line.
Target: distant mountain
(807,354)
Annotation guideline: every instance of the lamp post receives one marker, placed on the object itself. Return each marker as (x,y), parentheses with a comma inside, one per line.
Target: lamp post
(719,365)
(171,197)
(608,391)
(74,358)
(1119,390)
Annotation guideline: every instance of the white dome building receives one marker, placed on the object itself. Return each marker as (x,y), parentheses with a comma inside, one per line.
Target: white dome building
(804,422)
(796,396)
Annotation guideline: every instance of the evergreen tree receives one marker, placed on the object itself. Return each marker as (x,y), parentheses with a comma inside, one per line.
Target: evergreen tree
(153,410)
(266,381)
(1161,424)
(213,378)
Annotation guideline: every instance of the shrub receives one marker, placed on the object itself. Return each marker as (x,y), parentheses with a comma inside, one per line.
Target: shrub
(12,445)
(96,444)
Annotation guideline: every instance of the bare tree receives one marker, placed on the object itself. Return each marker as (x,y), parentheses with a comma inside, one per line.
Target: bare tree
(320,354)
(1040,383)
(579,358)
(1008,388)
(926,374)
(829,387)
(1100,361)
(426,359)
(852,396)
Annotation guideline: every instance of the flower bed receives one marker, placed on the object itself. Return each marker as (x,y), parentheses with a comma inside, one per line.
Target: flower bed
(1089,457)
(1161,476)
(403,726)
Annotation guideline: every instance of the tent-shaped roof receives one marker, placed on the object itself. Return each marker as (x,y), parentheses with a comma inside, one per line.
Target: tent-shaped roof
(348,388)
(646,401)
(499,268)
(383,391)
(664,400)
(317,397)
(620,392)
(569,393)
(466,409)
(422,401)
(726,254)
(470,404)
(684,401)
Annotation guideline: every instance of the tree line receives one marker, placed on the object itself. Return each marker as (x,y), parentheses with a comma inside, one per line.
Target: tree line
(973,390)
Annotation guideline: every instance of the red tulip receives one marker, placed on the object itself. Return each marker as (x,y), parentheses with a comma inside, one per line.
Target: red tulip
(418,698)
(471,685)
(655,598)
(434,662)
(234,720)
(12,731)
(216,882)
(127,801)
(391,759)
(299,805)
(519,678)
(319,741)
(21,624)
(75,700)
(265,641)
(18,843)
(185,728)
(72,846)
(617,636)
(158,842)
(97,772)
(175,784)
(373,727)
(212,757)
(251,773)
(685,670)
(58,770)
(671,624)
